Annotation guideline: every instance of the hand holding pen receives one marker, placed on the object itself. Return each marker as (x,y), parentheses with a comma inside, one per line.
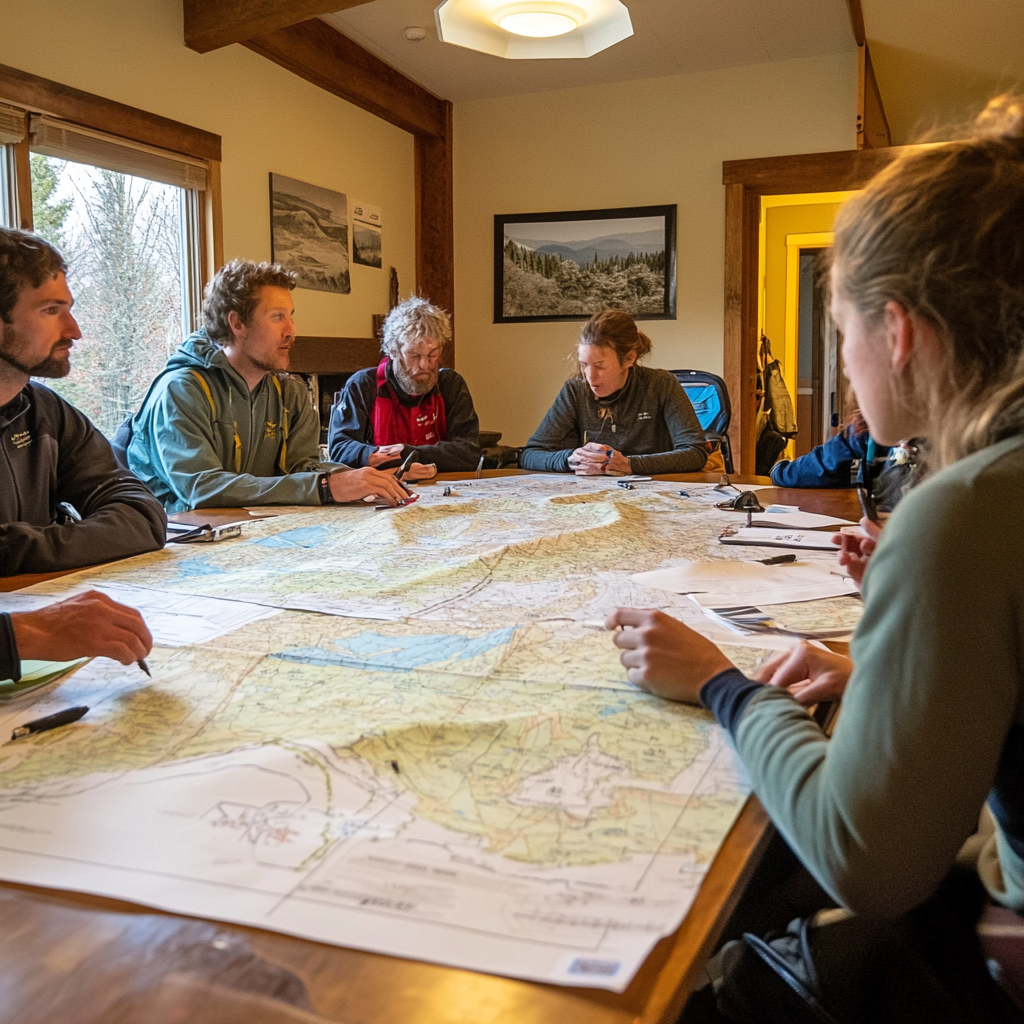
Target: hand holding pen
(89,625)
(855,549)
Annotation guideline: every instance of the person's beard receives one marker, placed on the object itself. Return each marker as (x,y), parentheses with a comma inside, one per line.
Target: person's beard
(410,385)
(52,366)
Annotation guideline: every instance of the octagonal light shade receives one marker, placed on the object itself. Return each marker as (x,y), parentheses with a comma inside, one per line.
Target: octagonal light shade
(473,24)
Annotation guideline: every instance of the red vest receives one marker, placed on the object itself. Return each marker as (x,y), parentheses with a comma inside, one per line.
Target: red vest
(416,425)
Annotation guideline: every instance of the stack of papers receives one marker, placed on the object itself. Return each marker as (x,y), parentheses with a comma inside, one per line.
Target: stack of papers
(812,540)
(788,517)
(756,621)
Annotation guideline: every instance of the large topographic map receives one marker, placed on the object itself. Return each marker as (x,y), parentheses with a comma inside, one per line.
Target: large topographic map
(431,752)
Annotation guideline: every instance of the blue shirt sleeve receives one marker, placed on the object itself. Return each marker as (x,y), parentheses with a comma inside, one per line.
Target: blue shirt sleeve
(726,696)
(827,465)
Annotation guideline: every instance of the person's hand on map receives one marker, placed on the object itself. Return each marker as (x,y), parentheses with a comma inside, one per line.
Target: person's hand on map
(419,471)
(356,484)
(856,548)
(595,459)
(385,453)
(89,625)
(809,673)
(664,656)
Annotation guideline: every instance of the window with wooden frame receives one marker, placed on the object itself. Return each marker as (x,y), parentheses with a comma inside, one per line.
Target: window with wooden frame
(138,223)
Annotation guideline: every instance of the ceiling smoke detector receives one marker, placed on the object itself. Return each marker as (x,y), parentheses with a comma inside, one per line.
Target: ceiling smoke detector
(415,33)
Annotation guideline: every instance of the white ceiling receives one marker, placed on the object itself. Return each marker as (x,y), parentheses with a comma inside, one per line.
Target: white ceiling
(671,37)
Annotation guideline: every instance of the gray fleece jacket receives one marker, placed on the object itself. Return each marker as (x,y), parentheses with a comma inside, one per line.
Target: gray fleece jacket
(650,420)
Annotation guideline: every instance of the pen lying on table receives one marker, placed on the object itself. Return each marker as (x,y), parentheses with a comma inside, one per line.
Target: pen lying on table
(49,722)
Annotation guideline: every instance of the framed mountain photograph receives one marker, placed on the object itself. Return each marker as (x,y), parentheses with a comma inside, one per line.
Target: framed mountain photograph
(309,233)
(567,266)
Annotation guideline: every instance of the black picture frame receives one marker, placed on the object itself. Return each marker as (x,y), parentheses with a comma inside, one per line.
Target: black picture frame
(520,298)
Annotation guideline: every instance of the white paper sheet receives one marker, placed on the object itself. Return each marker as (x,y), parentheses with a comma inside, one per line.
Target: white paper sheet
(713,584)
(175,620)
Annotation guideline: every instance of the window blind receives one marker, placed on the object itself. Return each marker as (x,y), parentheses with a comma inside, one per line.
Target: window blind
(66,141)
(12,125)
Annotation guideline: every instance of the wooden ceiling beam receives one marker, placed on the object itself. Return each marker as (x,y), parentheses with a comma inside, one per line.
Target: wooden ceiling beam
(856,21)
(211,24)
(322,55)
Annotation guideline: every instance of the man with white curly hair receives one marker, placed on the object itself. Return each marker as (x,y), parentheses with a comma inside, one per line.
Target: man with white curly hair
(409,402)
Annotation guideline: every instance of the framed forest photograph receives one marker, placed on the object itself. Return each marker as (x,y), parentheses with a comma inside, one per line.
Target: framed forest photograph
(567,266)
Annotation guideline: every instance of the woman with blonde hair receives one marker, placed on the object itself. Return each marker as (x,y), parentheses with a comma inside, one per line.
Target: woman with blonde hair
(928,290)
(616,416)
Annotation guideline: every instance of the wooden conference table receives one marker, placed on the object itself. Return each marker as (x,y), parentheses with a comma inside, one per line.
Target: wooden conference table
(76,958)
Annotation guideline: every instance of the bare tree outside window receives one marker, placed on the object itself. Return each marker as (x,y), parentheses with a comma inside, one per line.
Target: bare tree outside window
(122,239)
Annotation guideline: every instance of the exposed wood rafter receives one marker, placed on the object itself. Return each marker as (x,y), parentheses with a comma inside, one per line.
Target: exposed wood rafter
(211,24)
(321,55)
(872,124)
(856,21)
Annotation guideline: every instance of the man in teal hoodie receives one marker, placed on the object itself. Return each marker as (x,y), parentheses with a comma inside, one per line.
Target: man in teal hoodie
(224,425)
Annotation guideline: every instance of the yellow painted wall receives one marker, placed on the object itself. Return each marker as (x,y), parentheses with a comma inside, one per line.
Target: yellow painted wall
(778,222)
(270,120)
(637,143)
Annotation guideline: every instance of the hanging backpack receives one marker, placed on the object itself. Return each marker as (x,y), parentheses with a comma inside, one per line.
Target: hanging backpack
(776,422)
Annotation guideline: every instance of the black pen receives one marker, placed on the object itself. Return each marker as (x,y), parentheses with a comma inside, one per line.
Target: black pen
(145,668)
(49,722)
(867,504)
(778,560)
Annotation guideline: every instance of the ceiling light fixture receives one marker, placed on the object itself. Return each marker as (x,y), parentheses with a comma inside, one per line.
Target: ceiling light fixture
(533,29)
(539,20)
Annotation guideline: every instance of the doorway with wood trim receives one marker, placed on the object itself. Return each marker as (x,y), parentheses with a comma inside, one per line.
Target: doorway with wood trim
(747,184)
(795,231)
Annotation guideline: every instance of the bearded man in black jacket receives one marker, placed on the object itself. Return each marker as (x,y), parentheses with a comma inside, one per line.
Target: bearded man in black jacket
(64,501)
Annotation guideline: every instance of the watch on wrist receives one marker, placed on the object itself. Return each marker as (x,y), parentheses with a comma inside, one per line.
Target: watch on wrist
(324,483)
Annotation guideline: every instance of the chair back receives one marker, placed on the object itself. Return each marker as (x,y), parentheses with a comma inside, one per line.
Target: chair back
(710,400)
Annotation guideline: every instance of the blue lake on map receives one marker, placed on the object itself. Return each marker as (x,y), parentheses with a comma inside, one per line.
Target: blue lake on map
(404,653)
(300,537)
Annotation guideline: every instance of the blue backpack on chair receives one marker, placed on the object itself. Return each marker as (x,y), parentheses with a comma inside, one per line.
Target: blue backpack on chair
(710,400)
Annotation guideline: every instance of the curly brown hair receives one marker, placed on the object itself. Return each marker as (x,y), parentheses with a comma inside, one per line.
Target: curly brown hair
(236,288)
(24,259)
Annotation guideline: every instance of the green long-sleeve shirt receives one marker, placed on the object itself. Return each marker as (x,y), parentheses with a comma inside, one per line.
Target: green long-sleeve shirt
(931,722)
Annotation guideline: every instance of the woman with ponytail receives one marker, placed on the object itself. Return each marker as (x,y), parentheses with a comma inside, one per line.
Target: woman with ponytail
(616,416)
(928,752)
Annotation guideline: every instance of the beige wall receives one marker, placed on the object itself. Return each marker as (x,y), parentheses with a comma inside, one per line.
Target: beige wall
(270,120)
(939,61)
(638,143)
